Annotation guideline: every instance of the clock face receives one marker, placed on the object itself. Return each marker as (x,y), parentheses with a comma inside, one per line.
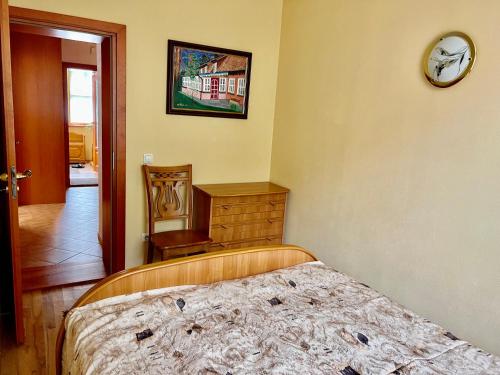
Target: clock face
(449,59)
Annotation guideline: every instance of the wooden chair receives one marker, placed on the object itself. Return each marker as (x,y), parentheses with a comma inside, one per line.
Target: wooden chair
(169,192)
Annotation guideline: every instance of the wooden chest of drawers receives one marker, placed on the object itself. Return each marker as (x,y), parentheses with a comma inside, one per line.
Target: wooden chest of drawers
(240,215)
(76,148)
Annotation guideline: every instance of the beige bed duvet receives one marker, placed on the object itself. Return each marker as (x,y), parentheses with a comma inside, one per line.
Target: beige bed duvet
(306,319)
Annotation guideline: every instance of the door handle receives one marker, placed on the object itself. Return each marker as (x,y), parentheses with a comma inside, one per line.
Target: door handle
(26,174)
(15,176)
(19,176)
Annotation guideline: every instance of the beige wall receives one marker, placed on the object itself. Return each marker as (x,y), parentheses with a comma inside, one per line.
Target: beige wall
(221,150)
(393,181)
(78,52)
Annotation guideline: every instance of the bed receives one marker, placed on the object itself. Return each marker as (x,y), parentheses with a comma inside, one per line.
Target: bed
(266,310)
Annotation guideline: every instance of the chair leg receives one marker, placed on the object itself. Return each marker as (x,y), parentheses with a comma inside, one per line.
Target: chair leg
(151,252)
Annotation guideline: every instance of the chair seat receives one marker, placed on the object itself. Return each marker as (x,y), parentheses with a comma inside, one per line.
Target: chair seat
(179,238)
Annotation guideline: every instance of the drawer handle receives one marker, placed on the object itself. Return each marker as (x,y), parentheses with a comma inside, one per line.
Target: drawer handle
(272,203)
(269,239)
(270,221)
(226,206)
(224,226)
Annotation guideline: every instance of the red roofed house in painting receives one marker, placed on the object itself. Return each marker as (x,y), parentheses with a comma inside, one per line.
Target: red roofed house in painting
(220,82)
(207,81)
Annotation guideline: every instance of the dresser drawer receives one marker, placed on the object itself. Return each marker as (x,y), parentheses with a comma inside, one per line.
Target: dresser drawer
(246,208)
(239,231)
(248,205)
(260,198)
(76,152)
(240,215)
(271,240)
(248,217)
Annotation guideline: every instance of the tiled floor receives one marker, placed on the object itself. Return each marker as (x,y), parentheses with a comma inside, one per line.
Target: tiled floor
(82,176)
(61,233)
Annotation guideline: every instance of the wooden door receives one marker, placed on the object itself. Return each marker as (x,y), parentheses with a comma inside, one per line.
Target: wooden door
(214,88)
(10,260)
(39,117)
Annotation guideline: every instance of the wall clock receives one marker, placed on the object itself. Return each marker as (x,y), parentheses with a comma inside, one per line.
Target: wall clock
(449,59)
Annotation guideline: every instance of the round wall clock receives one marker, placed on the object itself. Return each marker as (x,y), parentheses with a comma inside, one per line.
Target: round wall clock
(449,59)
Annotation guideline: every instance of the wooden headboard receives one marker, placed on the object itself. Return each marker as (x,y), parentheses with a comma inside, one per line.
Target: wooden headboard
(193,270)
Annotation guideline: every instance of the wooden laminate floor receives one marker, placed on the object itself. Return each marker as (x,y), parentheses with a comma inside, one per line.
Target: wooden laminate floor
(43,310)
(59,243)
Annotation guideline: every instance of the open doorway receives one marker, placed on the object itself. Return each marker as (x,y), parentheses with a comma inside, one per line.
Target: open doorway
(56,117)
(111,41)
(80,84)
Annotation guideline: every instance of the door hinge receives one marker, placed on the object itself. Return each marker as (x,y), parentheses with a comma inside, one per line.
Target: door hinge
(113,160)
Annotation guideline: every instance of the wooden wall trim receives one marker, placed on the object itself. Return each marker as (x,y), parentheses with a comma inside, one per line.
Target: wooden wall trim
(117,33)
(70,65)
(70,22)
(120,154)
(38,29)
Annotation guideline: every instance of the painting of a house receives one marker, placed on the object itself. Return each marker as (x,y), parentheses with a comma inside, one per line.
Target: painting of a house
(207,81)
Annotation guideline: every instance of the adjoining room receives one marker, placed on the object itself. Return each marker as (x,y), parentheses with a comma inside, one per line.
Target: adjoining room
(57,141)
(80,82)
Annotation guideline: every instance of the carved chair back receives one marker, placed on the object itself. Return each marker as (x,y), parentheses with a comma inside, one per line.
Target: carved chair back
(169,194)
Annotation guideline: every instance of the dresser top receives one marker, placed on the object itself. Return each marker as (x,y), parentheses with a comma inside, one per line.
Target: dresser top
(247,188)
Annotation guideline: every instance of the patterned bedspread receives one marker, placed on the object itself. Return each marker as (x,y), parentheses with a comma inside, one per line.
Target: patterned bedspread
(306,319)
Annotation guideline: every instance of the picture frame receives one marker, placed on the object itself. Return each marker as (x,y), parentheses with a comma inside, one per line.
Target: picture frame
(449,58)
(207,81)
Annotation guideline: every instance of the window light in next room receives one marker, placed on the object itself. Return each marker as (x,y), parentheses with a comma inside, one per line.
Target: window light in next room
(81,102)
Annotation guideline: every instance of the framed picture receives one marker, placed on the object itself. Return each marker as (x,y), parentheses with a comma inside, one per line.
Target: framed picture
(207,81)
(449,59)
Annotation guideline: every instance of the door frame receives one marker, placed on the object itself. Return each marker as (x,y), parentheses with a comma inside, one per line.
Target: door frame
(115,222)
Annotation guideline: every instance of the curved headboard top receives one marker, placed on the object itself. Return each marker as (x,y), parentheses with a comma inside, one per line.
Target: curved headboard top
(198,269)
(192,270)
